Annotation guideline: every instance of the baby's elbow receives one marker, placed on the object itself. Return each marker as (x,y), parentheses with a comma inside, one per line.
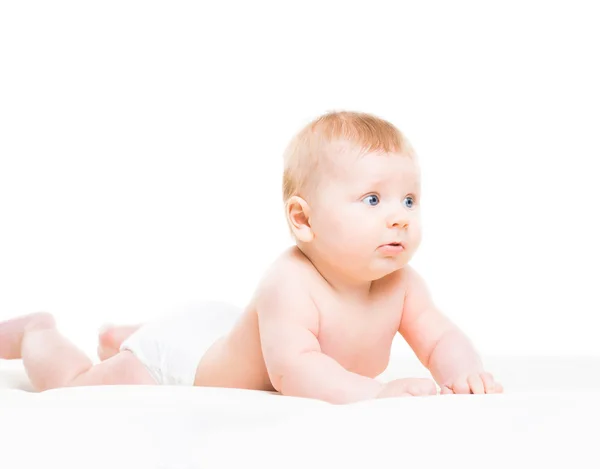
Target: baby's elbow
(289,376)
(276,380)
(279,369)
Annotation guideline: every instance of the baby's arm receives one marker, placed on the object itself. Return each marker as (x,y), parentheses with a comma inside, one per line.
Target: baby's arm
(289,324)
(440,345)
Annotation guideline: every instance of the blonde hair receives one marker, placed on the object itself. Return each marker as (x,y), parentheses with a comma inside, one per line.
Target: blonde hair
(310,146)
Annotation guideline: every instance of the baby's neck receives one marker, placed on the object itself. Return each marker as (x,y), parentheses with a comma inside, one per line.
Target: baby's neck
(344,284)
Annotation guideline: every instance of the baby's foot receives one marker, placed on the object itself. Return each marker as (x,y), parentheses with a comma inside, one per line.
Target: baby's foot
(11,332)
(110,339)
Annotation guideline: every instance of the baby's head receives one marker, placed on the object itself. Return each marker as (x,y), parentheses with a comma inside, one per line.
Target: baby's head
(351,186)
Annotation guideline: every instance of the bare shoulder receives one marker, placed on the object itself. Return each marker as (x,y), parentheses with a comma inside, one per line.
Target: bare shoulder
(285,289)
(291,267)
(409,280)
(416,292)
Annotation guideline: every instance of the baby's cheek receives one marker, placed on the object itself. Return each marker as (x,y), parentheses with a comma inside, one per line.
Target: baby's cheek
(339,233)
(344,228)
(415,238)
(362,239)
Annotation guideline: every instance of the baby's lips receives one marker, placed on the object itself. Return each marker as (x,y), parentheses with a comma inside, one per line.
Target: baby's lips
(392,248)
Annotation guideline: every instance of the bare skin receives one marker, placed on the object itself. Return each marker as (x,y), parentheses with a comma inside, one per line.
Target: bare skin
(322,320)
(52,361)
(235,361)
(111,337)
(346,343)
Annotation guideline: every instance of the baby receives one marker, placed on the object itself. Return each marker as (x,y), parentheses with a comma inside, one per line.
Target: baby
(321,322)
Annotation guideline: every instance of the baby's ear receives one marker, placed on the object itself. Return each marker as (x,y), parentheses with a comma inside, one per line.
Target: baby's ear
(298,214)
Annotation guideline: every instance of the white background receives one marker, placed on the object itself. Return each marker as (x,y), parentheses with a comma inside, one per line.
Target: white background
(140,152)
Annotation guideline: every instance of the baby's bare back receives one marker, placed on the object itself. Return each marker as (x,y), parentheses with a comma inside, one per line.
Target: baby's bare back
(355,332)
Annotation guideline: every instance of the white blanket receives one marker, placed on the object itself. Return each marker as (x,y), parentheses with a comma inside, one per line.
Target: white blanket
(547,418)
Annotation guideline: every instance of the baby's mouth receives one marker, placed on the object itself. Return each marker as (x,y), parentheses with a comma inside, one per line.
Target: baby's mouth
(393,247)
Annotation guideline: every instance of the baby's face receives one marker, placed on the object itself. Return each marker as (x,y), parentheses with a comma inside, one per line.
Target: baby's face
(365,214)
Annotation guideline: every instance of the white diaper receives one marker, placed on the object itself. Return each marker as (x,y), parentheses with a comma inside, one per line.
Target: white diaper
(172,347)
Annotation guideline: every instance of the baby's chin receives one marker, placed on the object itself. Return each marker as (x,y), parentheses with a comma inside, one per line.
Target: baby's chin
(383,267)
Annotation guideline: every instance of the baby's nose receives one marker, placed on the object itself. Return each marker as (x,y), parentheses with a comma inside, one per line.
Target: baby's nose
(398,219)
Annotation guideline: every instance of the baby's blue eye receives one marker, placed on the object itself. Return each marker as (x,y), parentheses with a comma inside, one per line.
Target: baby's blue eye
(371,200)
(409,202)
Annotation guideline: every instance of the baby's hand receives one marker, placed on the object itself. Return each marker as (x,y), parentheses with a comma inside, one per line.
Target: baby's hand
(408,387)
(475,383)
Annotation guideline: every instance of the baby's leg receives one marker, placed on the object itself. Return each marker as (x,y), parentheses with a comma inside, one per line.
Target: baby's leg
(51,361)
(111,337)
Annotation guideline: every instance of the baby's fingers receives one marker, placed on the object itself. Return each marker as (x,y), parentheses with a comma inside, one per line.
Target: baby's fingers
(489,383)
(476,384)
(461,387)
